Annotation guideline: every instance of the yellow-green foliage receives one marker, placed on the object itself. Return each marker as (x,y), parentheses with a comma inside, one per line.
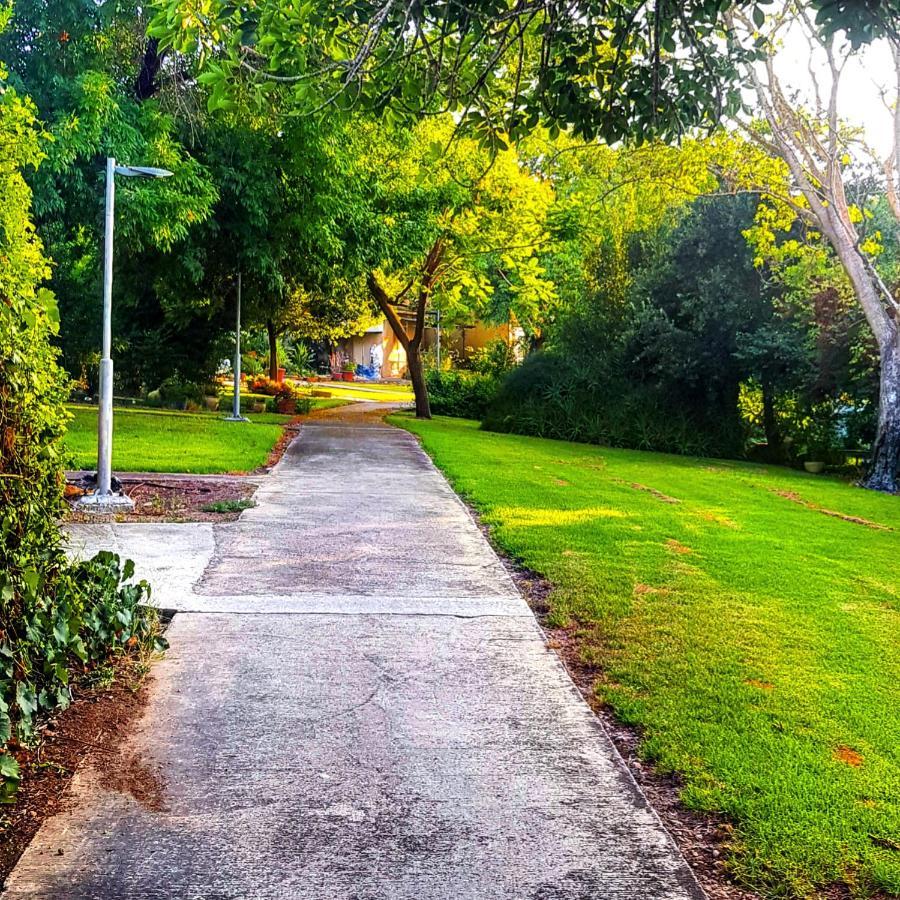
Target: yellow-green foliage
(490,210)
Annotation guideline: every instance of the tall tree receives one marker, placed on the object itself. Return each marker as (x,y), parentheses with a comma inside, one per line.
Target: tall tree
(817,150)
(452,227)
(79,60)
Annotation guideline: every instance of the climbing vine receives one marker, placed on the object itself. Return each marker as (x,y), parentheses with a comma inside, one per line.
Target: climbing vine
(57,619)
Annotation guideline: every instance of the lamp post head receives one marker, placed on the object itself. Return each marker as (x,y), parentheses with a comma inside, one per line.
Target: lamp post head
(142,172)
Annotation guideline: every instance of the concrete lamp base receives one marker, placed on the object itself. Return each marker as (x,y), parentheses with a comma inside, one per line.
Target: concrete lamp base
(104,504)
(235,419)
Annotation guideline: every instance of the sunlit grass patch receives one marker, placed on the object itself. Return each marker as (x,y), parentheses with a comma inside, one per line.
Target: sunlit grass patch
(155,440)
(751,629)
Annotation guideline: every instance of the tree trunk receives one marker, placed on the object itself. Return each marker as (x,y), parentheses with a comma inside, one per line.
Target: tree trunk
(273,350)
(411,346)
(417,376)
(774,447)
(884,465)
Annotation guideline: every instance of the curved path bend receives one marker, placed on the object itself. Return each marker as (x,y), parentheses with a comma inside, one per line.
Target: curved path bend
(356,704)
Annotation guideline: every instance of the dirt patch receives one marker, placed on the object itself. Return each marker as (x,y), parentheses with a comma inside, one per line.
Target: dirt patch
(642,589)
(760,685)
(89,732)
(677,547)
(794,497)
(848,755)
(717,518)
(163,499)
(659,495)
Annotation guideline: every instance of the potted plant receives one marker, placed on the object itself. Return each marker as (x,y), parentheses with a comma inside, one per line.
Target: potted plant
(286,400)
(347,372)
(818,443)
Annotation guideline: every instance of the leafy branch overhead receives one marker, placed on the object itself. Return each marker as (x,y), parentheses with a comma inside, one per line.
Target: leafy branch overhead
(609,68)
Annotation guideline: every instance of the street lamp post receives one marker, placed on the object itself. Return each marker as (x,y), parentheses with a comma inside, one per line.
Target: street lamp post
(103,499)
(236,400)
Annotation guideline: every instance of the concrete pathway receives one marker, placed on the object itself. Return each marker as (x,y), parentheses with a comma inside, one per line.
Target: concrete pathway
(356,704)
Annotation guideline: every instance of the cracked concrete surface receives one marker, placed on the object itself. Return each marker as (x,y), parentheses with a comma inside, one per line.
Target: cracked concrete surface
(356,704)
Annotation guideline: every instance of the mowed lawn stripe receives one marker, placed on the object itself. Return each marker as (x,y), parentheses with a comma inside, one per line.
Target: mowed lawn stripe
(746,618)
(151,440)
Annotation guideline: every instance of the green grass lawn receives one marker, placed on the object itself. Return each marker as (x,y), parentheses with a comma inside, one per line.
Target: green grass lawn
(163,440)
(749,631)
(362,390)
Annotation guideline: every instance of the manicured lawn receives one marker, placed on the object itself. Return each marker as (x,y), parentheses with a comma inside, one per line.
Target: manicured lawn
(751,633)
(156,440)
(361,390)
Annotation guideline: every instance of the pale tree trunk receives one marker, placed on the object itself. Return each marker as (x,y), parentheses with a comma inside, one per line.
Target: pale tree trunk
(815,159)
(885,459)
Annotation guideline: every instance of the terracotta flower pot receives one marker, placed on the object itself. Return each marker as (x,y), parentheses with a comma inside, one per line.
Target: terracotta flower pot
(287,406)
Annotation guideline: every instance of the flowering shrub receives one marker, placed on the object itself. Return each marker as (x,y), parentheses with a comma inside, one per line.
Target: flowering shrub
(289,394)
(262,385)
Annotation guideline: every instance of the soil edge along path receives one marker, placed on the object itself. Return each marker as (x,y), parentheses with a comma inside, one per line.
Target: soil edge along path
(357,703)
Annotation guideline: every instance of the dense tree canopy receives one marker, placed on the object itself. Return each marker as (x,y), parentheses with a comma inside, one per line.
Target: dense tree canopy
(608,68)
(452,228)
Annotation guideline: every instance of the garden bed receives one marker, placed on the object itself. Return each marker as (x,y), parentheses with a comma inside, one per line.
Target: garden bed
(90,732)
(161,498)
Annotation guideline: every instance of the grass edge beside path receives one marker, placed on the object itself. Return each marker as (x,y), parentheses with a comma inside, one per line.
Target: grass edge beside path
(163,440)
(744,618)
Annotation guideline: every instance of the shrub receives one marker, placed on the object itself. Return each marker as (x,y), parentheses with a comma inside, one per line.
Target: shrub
(460,393)
(55,618)
(548,397)
(288,393)
(496,358)
(250,364)
(263,385)
(176,394)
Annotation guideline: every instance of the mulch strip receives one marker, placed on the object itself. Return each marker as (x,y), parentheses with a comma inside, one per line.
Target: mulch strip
(170,500)
(90,731)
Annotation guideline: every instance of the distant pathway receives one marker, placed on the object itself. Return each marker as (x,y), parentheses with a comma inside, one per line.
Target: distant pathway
(356,704)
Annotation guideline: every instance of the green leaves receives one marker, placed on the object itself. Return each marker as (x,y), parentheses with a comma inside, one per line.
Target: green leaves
(9,768)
